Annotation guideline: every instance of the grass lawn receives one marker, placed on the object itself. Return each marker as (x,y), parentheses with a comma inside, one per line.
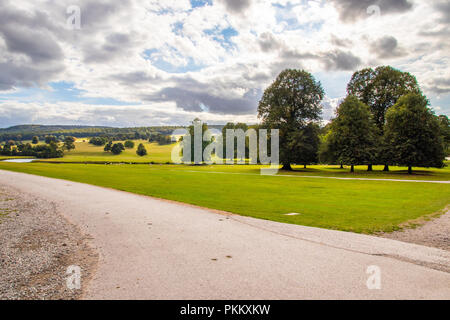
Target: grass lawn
(85,152)
(349,205)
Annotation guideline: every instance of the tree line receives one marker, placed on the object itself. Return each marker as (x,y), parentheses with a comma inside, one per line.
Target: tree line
(51,149)
(384,120)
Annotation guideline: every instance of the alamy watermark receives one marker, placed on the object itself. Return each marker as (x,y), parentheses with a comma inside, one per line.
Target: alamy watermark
(208,147)
(73,21)
(374,280)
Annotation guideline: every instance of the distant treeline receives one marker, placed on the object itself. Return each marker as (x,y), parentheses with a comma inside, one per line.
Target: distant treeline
(44,151)
(27,132)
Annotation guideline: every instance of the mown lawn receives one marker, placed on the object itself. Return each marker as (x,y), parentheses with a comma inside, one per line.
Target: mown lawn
(358,206)
(85,152)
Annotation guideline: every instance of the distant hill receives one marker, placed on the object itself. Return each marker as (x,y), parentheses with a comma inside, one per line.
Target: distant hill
(27,132)
(41,128)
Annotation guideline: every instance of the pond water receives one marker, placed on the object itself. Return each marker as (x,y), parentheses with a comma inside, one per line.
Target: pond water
(19,160)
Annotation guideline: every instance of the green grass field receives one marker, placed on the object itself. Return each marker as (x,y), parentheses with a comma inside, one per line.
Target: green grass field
(85,152)
(348,205)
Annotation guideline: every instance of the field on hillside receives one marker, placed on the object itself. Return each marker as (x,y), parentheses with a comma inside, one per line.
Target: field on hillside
(349,205)
(85,152)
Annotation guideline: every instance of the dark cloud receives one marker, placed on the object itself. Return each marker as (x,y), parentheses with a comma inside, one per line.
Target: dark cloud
(94,12)
(132,78)
(25,75)
(237,6)
(267,42)
(191,95)
(351,10)
(440,85)
(39,46)
(115,45)
(31,54)
(340,60)
(346,43)
(387,47)
(444,8)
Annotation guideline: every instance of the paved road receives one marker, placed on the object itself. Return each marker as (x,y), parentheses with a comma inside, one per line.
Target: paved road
(155,249)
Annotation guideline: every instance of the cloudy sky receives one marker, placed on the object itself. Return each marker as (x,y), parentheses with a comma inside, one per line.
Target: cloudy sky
(143,63)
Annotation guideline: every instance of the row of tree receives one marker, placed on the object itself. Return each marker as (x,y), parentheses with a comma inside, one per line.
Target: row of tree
(385,119)
(52,149)
(27,132)
(117,148)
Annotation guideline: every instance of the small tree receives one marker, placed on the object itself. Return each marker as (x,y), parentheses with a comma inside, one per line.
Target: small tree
(69,143)
(117,148)
(352,138)
(129,144)
(108,146)
(141,151)
(413,134)
(35,140)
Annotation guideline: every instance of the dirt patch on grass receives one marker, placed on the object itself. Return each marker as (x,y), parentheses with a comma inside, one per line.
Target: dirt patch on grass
(431,231)
(38,245)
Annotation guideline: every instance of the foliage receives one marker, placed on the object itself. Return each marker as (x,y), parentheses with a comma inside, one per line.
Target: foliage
(160,139)
(444,125)
(46,151)
(413,133)
(141,151)
(35,140)
(380,89)
(353,134)
(49,139)
(108,146)
(291,102)
(69,143)
(117,148)
(129,144)
(98,141)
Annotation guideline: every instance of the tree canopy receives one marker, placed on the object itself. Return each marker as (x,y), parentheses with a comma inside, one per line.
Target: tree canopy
(141,151)
(291,102)
(352,137)
(380,89)
(413,134)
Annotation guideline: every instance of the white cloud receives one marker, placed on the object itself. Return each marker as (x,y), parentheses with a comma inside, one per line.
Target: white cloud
(172,59)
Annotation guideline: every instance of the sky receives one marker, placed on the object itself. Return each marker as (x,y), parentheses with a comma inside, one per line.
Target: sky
(135,63)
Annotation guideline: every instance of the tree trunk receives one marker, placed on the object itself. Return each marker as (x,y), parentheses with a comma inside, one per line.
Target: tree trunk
(352,169)
(305,166)
(369,168)
(342,165)
(386,168)
(287,167)
(409,170)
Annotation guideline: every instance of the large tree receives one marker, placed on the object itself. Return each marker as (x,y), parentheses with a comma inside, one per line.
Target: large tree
(413,134)
(291,102)
(380,89)
(352,137)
